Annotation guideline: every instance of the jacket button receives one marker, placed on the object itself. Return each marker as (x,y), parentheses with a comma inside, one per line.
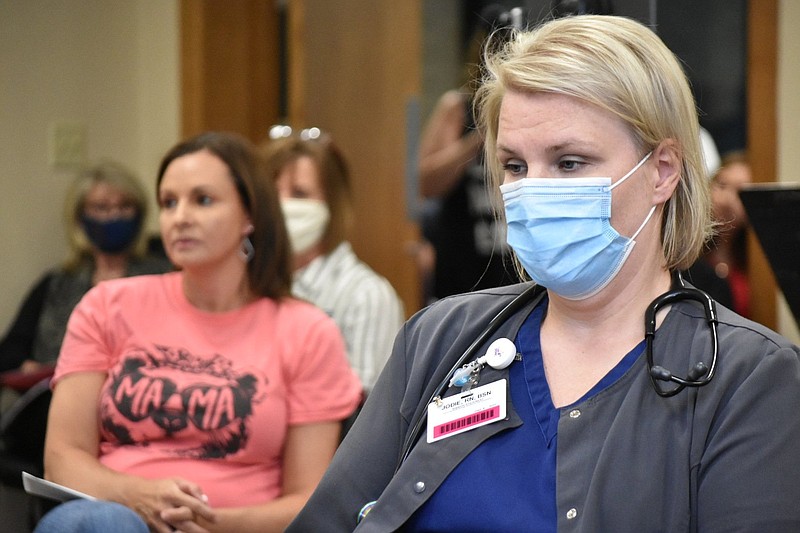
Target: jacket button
(419,487)
(575,413)
(572,513)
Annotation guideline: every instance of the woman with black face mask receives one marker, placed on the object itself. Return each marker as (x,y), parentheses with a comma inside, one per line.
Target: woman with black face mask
(105,210)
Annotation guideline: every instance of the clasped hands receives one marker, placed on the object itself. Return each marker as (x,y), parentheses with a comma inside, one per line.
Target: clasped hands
(173,504)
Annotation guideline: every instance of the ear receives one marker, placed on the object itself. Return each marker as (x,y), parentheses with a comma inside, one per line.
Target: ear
(667,157)
(248,228)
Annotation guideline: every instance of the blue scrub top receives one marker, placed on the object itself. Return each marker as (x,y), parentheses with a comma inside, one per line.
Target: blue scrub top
(508,483)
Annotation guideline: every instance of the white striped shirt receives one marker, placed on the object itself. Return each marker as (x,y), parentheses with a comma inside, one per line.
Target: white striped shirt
(361,302)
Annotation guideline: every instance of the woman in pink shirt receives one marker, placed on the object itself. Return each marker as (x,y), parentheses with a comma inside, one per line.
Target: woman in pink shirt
(206,399)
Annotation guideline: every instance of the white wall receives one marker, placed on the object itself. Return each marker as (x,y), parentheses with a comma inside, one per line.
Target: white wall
(788,120)
(110,65)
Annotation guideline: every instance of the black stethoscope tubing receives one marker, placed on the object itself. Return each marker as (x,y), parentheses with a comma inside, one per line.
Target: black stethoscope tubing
(697,376)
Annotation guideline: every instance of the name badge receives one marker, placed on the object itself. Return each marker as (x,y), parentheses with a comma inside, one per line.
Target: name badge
(468,410)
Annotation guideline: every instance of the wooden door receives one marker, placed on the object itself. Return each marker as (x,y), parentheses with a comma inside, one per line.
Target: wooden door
(762,146)
(354,66)
(230,53)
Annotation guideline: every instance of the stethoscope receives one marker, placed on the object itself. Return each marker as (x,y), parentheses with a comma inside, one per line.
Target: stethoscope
(700,374)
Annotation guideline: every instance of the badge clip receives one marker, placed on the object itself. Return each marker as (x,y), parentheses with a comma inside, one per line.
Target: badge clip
(499,355)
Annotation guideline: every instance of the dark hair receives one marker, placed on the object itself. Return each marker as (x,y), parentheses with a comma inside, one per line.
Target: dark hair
(333,176)
(269,272)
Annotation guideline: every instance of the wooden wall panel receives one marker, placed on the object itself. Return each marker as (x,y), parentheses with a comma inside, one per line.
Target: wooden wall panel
(354,65)
(230,66)
(762,143)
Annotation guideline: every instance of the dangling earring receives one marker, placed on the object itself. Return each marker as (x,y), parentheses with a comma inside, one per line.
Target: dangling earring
(247,252)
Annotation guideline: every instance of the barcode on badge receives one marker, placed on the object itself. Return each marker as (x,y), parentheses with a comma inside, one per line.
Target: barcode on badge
(466,422)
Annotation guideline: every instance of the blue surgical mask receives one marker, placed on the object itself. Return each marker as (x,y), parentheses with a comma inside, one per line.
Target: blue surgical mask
(111,236)
(560,229)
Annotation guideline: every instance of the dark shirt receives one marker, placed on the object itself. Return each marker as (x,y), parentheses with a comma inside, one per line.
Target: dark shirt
(470,244)
(701,274)
(40,325)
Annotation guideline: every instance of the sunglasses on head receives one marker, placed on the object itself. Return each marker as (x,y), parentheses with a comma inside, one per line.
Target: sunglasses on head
(280,131)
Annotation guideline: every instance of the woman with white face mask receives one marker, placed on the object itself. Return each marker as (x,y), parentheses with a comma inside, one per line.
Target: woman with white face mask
(561,404)
(313,184)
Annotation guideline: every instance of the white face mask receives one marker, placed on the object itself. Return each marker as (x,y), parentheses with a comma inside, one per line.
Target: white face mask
(306,221)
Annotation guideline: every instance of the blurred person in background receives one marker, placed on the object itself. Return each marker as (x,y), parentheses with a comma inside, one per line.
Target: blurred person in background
(728,253)
(105,213)
(313,183)
(722,271)
(469,246)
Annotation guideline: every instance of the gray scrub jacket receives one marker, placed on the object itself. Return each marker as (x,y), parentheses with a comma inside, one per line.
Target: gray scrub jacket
(723,457)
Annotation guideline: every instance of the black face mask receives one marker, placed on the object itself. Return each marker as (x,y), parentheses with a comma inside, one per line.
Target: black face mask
(111,236)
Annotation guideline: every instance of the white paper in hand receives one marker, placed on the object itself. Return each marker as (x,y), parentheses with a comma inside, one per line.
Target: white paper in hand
(53,491)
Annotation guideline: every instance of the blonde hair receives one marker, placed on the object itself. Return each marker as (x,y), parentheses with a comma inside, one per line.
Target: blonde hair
(622,67)
(120,179)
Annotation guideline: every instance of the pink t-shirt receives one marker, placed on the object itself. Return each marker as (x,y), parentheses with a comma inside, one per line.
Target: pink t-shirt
(205,396)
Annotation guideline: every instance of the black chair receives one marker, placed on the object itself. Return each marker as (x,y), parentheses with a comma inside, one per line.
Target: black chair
(22,433)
